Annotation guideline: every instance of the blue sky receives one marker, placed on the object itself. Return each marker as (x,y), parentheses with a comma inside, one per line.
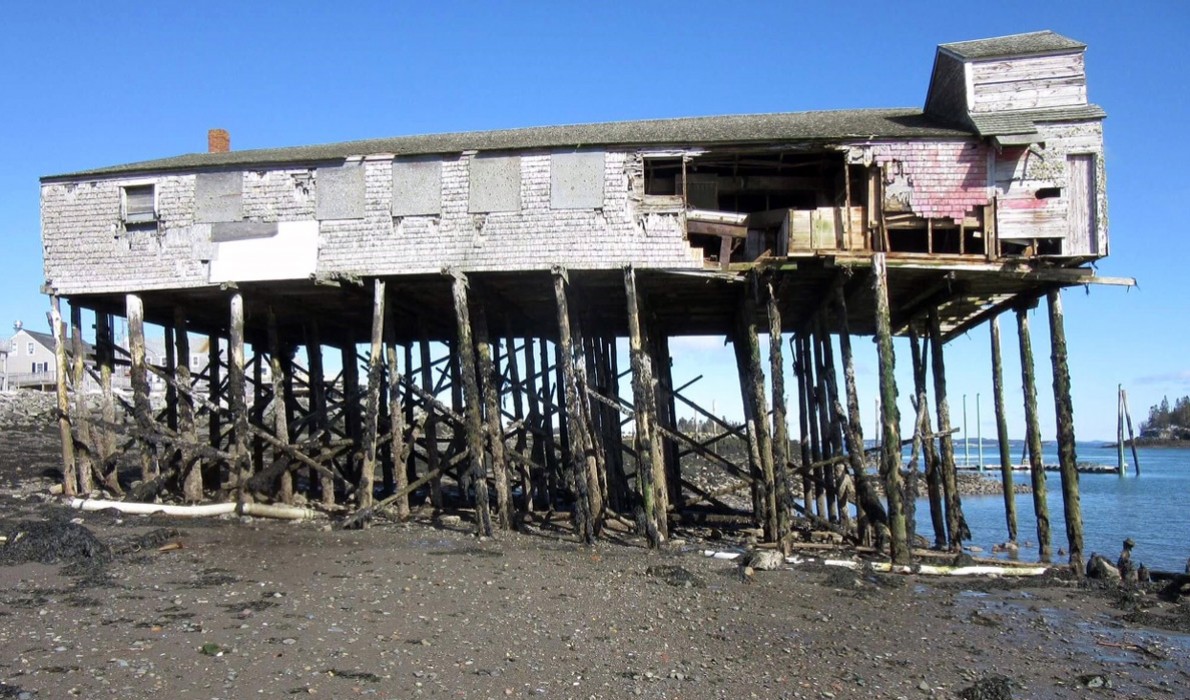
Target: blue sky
(93,84)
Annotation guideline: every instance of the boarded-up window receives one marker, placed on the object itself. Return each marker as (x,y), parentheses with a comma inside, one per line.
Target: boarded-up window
(417,187)
(218,197)
(1081,210)
(495,184)
(340,192)
(576,180)
(139,204)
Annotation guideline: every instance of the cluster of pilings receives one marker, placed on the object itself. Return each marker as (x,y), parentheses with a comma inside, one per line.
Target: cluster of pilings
(520,424)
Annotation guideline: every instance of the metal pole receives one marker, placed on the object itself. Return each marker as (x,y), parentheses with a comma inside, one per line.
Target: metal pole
(966,442)
(978,432)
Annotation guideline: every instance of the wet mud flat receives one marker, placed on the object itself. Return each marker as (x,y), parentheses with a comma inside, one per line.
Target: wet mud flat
(140,607)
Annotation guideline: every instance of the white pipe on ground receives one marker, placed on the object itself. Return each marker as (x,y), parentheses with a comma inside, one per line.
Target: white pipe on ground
(259,510)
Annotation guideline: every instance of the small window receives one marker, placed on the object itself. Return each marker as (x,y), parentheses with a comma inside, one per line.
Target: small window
(139,204)
(29,349)
(1048,192)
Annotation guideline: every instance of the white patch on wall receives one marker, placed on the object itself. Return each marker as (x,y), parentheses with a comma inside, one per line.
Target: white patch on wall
(576,180)
(289,255)
(340,192)
(417,187)
(495,184)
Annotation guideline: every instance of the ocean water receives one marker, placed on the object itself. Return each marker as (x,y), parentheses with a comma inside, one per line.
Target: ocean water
(1153,508)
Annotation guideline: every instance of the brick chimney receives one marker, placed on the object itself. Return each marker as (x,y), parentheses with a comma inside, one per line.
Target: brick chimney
(218,141)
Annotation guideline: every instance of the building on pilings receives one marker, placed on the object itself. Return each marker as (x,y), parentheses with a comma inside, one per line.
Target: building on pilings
(985,200)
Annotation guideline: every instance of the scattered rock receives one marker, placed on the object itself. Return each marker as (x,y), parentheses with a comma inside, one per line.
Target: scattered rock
(988,688)
(675,576)
(1098,567)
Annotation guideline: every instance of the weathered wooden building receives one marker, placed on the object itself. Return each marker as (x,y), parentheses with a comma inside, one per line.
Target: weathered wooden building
(529,251)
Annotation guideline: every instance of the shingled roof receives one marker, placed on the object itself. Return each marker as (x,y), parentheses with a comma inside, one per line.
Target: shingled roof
(837,125)
(1033,43)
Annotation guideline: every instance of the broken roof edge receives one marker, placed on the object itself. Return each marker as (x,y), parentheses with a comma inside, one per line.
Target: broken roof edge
(1028,44)
(741,129)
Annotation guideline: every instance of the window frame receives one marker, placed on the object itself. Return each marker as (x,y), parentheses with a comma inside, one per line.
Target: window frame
(138,217)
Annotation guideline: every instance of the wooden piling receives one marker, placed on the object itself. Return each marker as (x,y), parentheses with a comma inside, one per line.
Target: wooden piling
(800,368)
(822,402)
(211,469)
(747,350)
(534,487)
(1002,432)
(187,430)
(933,464)
(956,524)
(319,423)
(284,489)
(488,370)
(399,448)
(433,458)
(367,477)
(890,464)
(140,380)
(584,517)
(473,424)
(353,419)
(642,396)
(1033,435)
(834,414)
(237,397)
(85,457)
(780,419)
(1064,414)
(69,467)
(1131,435)
(106,440)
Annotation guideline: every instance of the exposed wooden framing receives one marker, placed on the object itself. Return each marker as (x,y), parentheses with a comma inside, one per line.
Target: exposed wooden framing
(1064,414)
(236,398)
(284,489)
(84,457)
(586,516)
(780,420)
(69,467)
(643,399)
(140,380)
(367,477)
(1033,435)
(318,404)
(935,492)
(956,524)
(187,430)
(1002,431)
(760,445)
(890,463)
(490,375)
(464,350)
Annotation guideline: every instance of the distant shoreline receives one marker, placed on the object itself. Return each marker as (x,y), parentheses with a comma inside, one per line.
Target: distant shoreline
(1150,442)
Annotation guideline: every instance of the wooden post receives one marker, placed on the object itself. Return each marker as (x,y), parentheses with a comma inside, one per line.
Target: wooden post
(191,468)
(140,380)
(584,515)
(280,401)
(934,489)
(431,427)
(956,524)
(85,457)
(747,351)
(353,420)
(399,449)
(1002,433)
(236,396)
(1064,413)
(367,477)
(256,416)
(826,473)
(667,418)
(642,381)
(593,462)
(1120,468)
(69,467)
(813,406)
(488,371)
(106,442)
(869,511)
(318,405)
(780,420)
(1033,435)
(472,409)
(890,463)
(533,481)
(212,470)
(834,415)
(171,391)
(800,368)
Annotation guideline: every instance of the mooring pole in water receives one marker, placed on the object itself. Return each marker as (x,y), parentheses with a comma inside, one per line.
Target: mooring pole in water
(979,429)
(1002,432)
(1064,412)
(966,441)
(890,463)
(1033,435)
(1131,435)
(1120,429)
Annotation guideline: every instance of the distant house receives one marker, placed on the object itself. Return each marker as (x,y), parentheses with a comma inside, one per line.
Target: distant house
(30,360)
